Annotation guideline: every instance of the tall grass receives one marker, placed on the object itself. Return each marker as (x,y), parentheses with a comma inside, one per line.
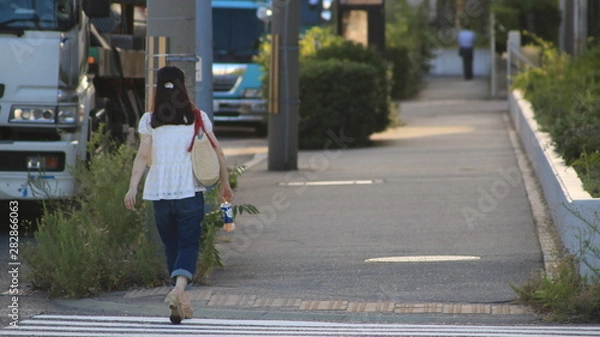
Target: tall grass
(91,243)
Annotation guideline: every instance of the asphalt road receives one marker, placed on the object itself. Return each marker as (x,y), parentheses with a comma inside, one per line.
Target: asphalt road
(448,184)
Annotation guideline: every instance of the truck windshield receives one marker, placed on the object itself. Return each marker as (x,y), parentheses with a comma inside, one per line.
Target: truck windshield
(236,34)
(20,15)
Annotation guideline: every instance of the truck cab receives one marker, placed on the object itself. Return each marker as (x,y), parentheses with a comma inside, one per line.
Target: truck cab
(45,95)
(49,99)
(237,31)
(238,98)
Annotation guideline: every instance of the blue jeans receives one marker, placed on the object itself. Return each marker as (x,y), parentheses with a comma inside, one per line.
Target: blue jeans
(179,224)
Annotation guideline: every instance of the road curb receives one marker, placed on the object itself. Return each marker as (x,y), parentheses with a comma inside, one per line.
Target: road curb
(208,298)
(548,237)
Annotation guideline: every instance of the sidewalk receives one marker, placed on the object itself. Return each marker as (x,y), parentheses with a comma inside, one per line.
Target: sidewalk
(446,187)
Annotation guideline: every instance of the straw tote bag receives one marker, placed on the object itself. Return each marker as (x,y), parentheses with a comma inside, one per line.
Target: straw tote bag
(205,162)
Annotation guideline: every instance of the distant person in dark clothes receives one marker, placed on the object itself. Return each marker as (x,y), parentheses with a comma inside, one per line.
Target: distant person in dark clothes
(466,41)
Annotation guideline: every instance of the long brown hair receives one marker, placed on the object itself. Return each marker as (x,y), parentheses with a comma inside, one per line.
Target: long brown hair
(172,105)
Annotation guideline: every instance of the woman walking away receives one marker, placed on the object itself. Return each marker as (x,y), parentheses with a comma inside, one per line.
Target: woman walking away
(165,136)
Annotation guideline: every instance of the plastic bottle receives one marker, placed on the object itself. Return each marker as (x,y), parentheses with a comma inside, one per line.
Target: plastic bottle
(227,213)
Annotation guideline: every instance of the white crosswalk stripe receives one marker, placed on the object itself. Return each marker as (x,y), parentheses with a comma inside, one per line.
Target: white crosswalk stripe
(102,326)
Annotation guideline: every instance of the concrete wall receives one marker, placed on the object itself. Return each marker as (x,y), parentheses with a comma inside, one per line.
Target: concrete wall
(567,202)
(447,62)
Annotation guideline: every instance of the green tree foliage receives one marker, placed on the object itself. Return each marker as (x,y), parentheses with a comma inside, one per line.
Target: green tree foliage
(409,44)
(539,17)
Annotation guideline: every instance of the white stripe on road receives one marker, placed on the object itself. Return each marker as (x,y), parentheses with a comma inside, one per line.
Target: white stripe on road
(100,326)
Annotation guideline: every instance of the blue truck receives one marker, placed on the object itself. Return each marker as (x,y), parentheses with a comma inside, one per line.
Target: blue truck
(237,95)
(237,30)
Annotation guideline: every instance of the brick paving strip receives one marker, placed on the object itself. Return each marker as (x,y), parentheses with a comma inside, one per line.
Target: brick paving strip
(209,298)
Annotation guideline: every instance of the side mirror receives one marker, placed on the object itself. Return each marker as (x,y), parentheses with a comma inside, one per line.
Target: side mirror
(96,8)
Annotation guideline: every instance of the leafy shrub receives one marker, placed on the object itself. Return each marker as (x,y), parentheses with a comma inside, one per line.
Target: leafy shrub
(210,257)
(91,243)
(565,95)
(564,297)
(337,99)
(317,38)
(313,39)
(406,73)
(321,45)
(355,52)
(409,43)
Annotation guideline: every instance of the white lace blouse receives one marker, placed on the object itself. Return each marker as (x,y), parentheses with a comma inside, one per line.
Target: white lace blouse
(170,175)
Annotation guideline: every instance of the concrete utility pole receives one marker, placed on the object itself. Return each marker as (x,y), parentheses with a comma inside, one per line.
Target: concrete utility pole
(284,89)
(204,50)
(493,80)
(174,20)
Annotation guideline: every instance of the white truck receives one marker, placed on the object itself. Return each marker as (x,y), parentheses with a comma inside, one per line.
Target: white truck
(60,76)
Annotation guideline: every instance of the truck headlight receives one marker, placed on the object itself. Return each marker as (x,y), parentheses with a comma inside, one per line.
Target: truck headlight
(32,115)
(63,115)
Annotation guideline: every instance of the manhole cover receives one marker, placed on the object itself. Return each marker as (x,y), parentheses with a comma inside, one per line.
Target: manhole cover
(423,258)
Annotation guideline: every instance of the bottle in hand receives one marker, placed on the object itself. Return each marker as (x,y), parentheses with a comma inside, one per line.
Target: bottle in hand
(227,213)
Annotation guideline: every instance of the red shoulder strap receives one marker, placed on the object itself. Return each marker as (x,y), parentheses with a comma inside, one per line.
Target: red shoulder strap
(198,123)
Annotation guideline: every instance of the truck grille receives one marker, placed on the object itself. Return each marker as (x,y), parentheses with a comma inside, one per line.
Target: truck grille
(29,134)
(224,83)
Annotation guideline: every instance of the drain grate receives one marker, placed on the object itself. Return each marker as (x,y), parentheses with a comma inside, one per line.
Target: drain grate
(423,258)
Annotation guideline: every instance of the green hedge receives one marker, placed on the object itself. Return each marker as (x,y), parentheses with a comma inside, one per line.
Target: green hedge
(320,45)
(338,101)
(406,73)
(565,95)
(354,52)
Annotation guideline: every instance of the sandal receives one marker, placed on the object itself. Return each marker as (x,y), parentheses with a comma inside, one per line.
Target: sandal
(188,312)
(177,313)
(187,306)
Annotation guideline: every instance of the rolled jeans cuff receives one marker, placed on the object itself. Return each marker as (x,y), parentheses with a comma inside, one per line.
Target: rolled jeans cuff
(182,272)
